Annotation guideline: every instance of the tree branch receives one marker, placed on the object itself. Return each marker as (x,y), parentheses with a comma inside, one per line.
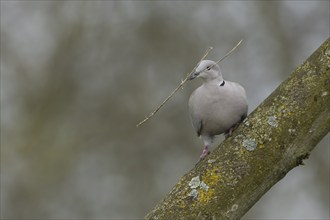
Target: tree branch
(276,137)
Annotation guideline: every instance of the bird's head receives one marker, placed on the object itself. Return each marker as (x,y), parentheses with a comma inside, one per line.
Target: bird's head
(206,70)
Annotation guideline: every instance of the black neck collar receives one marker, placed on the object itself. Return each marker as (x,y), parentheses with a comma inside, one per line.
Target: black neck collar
(223,83)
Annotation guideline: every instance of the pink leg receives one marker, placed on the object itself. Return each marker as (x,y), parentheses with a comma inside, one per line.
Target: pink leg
(231,130)
(204,153)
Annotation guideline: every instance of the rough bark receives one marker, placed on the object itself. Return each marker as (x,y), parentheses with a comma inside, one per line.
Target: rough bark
(276,137)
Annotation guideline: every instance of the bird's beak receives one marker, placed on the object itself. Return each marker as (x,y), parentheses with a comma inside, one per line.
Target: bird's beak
(194,75)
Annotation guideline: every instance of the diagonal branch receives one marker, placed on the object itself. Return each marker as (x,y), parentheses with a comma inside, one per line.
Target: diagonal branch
(276,137)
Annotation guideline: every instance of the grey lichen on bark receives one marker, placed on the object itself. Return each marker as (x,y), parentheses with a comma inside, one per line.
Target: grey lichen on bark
(276,137)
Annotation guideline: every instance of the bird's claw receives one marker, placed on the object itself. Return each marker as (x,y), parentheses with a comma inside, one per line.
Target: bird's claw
(204,153)
(231,130)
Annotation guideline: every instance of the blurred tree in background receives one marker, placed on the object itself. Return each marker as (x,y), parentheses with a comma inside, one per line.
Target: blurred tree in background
(76,77)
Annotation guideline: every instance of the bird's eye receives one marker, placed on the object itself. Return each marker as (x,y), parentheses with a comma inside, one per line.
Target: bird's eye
(208,68)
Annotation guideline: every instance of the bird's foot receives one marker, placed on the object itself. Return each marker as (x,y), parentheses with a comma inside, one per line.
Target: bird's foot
(231,130)
(205,152)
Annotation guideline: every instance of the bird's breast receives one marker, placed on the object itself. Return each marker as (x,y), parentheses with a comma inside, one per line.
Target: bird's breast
(218,109)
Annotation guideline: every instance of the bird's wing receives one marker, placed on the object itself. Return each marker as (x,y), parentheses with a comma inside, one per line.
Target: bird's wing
(198,124)
(195,118)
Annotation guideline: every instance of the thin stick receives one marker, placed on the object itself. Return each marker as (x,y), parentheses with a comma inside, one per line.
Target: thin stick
(228,53)
(185,80)
(234,48)
(175,90)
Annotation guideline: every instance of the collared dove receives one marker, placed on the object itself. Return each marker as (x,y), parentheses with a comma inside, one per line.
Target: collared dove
(217,106)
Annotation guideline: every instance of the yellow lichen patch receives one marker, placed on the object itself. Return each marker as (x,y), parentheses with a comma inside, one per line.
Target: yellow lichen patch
(205,196)
(211,179)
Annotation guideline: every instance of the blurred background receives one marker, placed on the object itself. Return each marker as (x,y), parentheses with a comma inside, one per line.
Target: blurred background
(77,76)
